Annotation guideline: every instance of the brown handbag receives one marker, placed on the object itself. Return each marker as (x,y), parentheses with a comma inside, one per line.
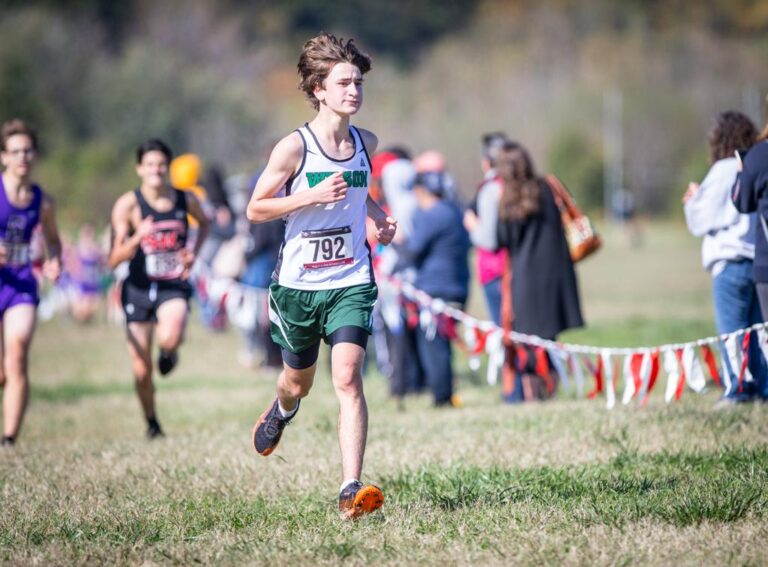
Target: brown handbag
(582,238)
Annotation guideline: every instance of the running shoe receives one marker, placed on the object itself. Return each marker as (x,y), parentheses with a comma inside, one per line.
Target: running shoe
(8,441)
(269,428)
(167,361)
(358,499)
(153,429)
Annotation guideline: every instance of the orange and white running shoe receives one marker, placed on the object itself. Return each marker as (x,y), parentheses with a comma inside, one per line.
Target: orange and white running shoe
(358,499)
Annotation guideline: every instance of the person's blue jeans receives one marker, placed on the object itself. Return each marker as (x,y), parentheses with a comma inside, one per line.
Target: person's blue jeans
(737,307)
(492,291)
(258,270)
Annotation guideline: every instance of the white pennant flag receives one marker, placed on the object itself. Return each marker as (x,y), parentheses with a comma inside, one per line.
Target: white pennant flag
(494,346)
(726,376)
(610,393)
(736,357)
(471,340)
(578,374)
(629,382)
(694,375)
(559,359)
(762,339)
(673,374)
(428,323)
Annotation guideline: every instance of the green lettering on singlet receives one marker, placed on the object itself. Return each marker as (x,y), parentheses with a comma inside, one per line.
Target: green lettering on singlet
(315,177)
(353,178)
(359,179)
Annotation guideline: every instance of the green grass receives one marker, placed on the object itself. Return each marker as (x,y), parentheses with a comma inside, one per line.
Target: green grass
(565,482)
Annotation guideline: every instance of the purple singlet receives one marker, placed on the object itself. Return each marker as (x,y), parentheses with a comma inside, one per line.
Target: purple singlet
(17,283)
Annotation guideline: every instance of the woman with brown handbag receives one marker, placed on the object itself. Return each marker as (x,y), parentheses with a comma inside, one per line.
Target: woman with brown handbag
(541,291)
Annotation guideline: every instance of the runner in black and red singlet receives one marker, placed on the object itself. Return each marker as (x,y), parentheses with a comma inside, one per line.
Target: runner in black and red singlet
(150,230)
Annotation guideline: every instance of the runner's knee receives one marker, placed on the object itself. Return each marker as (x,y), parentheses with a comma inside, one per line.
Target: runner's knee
(297,383)
(170,340)
(348,378)
(16,353)
(142,368)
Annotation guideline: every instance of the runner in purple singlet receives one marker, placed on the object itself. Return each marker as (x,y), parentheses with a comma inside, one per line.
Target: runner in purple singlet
(23,206)
(85,264)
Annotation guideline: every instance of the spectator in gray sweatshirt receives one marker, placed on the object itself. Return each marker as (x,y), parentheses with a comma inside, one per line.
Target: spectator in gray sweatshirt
(728,248)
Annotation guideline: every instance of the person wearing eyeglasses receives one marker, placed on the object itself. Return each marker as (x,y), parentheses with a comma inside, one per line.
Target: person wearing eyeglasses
(23,207)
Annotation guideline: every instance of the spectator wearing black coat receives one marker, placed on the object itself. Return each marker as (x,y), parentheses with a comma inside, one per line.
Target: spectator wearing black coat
(544,291)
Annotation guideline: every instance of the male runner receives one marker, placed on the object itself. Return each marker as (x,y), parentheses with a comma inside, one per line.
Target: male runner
(323,286)
(23,205)
(150,230)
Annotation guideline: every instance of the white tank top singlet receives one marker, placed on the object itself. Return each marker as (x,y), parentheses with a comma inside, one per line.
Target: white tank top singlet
(325,245)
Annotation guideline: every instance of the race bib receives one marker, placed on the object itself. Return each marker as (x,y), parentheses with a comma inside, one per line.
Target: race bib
(17,253)
(326,248)
(164,265)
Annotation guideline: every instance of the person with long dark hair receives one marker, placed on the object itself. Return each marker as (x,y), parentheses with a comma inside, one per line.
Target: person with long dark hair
(544,290)
(728,246)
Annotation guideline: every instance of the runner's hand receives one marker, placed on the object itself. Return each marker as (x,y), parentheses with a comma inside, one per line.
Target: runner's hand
(331,190)
(52,269)
(3,255)
(385,229)
(187,259)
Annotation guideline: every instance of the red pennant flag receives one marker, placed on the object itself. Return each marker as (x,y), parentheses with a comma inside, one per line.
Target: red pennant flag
(481,338)
(652,378)
(542,362)
(709,359)
(681,381)
(598,372)
(508,371)
(411,313)
(543,369)
(635,365)
(744,359)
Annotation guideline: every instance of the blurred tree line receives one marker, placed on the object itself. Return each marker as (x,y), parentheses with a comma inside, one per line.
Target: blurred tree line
(97,77)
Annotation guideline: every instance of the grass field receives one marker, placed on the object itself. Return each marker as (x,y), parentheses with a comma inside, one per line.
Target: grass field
(561,482)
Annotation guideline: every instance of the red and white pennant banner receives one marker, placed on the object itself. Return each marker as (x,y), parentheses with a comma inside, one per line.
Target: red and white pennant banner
(635,369)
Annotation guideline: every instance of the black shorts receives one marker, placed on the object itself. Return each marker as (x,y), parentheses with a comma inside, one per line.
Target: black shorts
(140,303)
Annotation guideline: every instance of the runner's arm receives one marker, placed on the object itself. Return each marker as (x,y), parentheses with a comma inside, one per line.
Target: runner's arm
(385,226)
(284,162)
(50,229)
(52,265)
(124,246)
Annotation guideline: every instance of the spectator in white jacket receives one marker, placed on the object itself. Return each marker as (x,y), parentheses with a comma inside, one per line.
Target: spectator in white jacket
(728,247)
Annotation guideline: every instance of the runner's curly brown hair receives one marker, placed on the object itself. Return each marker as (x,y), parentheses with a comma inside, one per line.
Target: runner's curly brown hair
(320,54)
(731,131)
